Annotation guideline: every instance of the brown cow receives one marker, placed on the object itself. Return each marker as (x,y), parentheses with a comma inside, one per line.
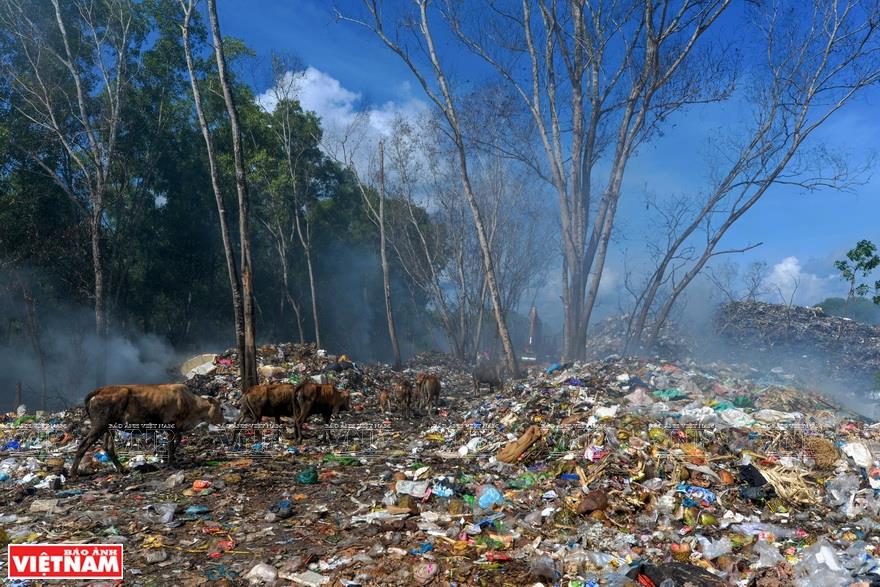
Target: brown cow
(384,400)
(319,398)
(267,400)
(428,386)
(403,395)
(169,404)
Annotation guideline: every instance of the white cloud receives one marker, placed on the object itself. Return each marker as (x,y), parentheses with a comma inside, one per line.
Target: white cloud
(788,279)
(342,110)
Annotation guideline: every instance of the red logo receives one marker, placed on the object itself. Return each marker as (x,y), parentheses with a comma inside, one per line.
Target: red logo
(65,561)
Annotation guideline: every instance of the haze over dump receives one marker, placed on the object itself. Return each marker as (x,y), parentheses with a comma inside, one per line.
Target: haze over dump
(70,354)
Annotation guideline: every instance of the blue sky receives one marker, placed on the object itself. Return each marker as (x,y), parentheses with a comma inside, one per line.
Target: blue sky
(802,232)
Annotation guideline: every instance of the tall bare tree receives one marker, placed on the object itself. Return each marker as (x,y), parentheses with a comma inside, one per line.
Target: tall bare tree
(249,359)
(239,287)
(350,146)
(70,78)
(445,100)
(598,80)
(815,64)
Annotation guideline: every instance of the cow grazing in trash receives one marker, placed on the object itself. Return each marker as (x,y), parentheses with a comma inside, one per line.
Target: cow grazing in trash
(403,395)
(384,399)
(267,400)
(490,374)
(167,405)
(319,398)
(428,386)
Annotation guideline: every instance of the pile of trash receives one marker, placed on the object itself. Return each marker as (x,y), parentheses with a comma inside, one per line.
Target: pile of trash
(622,472)
(810,340)
(609,335)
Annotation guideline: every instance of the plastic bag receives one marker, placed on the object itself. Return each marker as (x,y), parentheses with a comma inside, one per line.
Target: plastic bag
(488,496)
(712,550)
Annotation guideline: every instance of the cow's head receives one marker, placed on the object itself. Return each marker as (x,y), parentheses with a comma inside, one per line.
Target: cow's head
(344,402)
(215,411)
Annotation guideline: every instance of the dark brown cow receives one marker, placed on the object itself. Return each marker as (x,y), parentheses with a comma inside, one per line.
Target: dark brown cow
(319,398)
(403,396)
(428,386)
(169,404)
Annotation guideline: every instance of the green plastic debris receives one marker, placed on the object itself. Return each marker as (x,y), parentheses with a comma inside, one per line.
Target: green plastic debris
(669,394)
(524,481)
(342,460)
(21,419)
(308,476)
(469,500)
(721,406)
(742,401)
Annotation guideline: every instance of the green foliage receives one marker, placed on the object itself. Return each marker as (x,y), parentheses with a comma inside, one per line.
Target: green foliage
(166,272)
(860,262)
(859,309)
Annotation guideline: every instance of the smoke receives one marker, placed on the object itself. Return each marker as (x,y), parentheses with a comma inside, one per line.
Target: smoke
(59,357)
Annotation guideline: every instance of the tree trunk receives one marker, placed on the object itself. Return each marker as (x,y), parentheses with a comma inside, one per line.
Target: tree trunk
(314,293)
(285,284)
(100,297)
(249,359)
(231,265)
(386,279)
(488,265)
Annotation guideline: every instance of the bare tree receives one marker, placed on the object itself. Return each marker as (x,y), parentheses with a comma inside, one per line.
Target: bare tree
(296,153)
(70,79)
(756,281)
(286,214)
(444,99)
(814,66)
(597,79)
(245,346)
(350,147)
(442,257)
(249,359)
(420,245)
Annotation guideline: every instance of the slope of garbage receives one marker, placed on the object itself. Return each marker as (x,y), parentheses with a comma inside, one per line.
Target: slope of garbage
(620,472)
(808,339)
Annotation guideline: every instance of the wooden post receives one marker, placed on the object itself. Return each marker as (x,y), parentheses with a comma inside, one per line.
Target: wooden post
(18,394)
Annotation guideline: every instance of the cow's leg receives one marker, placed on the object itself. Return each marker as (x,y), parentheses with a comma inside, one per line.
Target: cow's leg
(91,438)
(327,418)
(110,449)
(172,448)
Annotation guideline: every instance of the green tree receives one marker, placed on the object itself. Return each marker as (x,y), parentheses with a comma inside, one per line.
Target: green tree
(860,262)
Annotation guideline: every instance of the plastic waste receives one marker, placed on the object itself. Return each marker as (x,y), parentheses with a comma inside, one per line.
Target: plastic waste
(262,573)
(712,550)
(417,489)
(488,496)
(695,494)
(162,513)
(543,567)
(308,476)
(820,565)
(282,509)
(859,453)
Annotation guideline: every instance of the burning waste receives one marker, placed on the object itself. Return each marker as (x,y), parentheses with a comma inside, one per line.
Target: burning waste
(610,472)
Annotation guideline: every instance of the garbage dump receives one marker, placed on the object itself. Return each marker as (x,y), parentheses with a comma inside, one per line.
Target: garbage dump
(621,472)
(813,341)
